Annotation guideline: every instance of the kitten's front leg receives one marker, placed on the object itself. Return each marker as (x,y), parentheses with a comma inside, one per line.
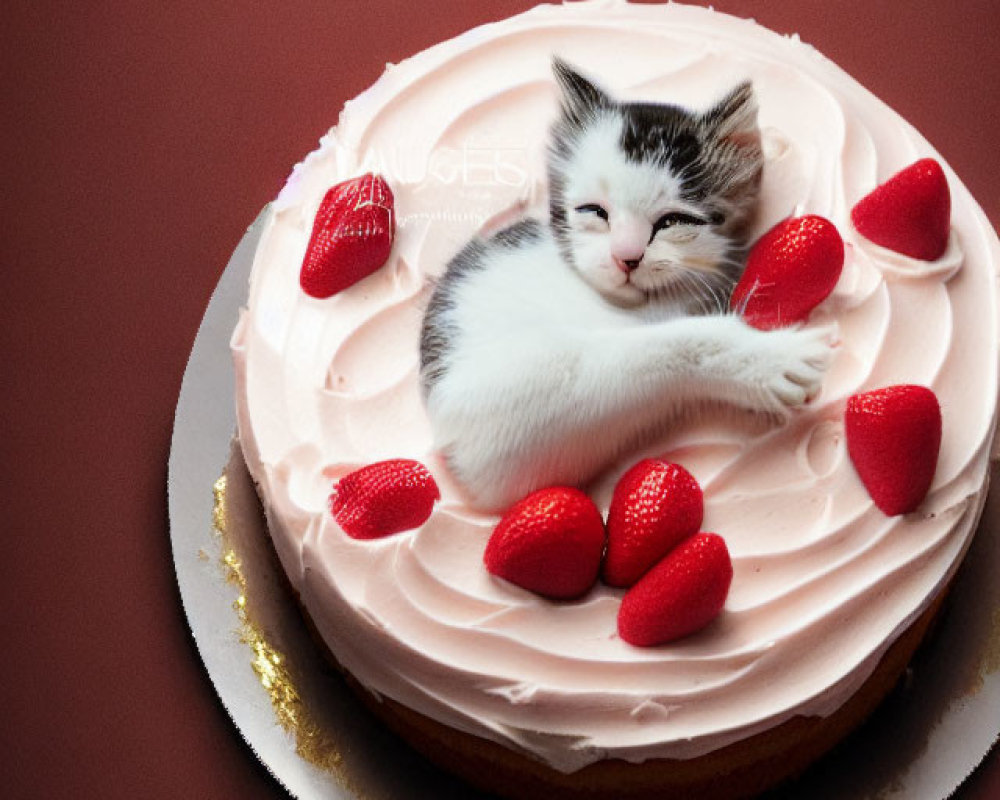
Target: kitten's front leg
(520,415)
(769,371)
(787,369)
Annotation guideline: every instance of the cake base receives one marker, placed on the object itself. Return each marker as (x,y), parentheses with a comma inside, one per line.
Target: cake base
(743,769)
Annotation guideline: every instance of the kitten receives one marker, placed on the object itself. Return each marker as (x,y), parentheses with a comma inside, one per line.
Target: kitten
(548,349)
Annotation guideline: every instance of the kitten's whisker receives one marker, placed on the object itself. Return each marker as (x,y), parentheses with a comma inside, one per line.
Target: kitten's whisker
(699,287)
(713,294)
(757,287)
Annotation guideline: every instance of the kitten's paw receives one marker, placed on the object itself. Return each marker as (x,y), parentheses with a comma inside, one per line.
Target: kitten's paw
(796,362)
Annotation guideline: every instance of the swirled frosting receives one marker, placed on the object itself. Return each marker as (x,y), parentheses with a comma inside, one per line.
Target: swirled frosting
(823,582)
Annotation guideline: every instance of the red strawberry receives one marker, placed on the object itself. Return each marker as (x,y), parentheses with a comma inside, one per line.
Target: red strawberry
(680,595)
(909,213)
(549,543)
(655,505)
(790,270)
(384,498)
(351,236)
(893,438)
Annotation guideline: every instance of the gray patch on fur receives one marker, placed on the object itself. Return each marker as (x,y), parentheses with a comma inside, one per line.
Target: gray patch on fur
(437,331)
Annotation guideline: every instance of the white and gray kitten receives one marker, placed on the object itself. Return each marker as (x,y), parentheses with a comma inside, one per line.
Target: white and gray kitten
(549,348)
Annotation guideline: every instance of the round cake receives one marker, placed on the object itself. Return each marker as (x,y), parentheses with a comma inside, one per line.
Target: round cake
(830,595)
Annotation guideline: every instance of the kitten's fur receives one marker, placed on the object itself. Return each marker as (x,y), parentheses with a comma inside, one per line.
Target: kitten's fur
(548,349)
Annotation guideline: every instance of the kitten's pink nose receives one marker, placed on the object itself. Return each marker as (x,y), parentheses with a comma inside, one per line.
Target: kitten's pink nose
(629,237)
(626,266)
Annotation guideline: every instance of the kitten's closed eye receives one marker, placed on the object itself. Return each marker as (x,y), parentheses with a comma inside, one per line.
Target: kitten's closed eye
(675,218)
(593,208)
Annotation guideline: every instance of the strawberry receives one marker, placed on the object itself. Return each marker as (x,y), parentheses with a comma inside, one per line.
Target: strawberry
(893,438)
(909,213)
(680,595)
(790,270)
(384,498)
(655,505)
(351,236)
(549,543)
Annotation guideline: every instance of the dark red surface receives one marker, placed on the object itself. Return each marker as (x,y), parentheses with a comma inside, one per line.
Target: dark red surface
(139,141)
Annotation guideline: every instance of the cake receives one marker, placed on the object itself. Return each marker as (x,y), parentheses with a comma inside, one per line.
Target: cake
(830,594)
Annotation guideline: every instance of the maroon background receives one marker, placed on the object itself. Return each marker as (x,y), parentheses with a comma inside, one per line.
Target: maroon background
(139,141)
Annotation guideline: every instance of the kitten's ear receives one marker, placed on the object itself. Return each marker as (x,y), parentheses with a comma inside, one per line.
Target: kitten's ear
(581,98)
(734,117)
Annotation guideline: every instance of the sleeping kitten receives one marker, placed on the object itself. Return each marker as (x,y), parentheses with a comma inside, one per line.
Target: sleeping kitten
(549,348)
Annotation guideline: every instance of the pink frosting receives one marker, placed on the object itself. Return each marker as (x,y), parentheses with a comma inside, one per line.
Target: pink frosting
(823,581)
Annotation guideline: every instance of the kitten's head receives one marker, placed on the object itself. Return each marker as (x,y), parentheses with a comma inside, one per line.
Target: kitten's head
(651,201)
